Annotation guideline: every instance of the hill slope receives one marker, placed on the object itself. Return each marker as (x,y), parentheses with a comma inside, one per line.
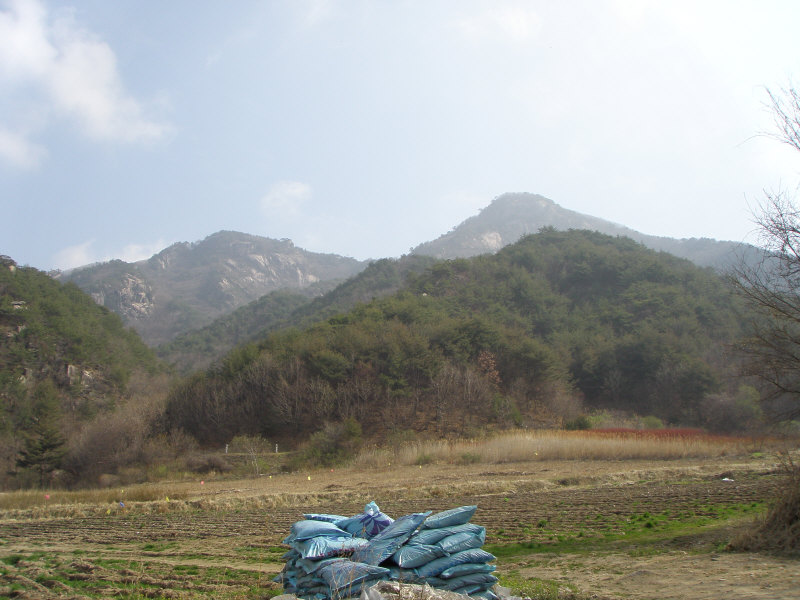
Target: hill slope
(186,286)
(555,321)
(199,348)
(63,358)
(511,216)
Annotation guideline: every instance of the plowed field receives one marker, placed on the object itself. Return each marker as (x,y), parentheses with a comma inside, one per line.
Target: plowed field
(623,529)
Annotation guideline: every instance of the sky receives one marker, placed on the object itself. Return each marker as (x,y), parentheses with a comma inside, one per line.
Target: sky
(366,127)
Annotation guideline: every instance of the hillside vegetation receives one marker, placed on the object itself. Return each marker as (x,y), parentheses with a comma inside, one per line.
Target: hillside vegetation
(540,333)
(64,361)
(286,308)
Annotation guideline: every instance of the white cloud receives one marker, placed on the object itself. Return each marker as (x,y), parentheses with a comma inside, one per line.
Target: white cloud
(18,151)
(83,254)
(75,256)
(137,252)
(25,53)
(84,83)
(516,22)
(54,62)
(286,198)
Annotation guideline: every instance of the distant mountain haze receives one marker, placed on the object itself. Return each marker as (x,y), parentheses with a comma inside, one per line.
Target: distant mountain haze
(513,215)
(188,285)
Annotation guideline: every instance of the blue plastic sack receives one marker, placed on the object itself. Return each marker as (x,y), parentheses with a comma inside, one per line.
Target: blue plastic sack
(432,536)
(435,567)
(290,555)
(310,566)
(324,517)
(448,518)
(368,524)
(409,557)
(462,541)
(388,541)
(327,547)
(307,529)
(343,575)
(480,579)
(466,569)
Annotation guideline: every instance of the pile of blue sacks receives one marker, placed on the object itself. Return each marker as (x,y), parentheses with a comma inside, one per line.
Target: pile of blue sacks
(334,556)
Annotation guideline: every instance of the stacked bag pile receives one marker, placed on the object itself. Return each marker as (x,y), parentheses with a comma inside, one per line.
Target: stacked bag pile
(334,556)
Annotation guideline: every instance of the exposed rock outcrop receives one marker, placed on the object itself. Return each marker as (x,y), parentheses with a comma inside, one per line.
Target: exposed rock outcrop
(186,286)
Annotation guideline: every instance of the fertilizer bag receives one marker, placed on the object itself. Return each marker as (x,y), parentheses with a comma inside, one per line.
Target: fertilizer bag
(409,557)
(388,541)
(448,518)
(309,528)
(368,524)
(426,537)
(462,541)
(328,547)
(345,574)
(436,567)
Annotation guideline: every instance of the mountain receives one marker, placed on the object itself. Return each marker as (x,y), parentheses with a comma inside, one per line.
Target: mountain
(188,285)
(513,215)
(63,358)
(541,329)
(284,308)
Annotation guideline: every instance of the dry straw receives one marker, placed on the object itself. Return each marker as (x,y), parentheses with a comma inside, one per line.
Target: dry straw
(561,445)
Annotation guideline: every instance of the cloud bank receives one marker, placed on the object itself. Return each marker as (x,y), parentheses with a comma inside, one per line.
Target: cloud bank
(285,198)
(84,254)
(70,73)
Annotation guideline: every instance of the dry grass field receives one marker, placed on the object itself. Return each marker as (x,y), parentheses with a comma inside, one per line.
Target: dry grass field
(593,525)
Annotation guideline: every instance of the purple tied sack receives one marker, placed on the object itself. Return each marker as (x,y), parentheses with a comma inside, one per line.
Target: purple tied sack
(368,524)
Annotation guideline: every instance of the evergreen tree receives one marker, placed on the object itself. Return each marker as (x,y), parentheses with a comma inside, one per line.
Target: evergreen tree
(44,447)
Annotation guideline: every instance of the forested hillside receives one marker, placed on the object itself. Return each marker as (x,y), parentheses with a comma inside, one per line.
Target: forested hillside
(63,360)
(547,328)
(286,308)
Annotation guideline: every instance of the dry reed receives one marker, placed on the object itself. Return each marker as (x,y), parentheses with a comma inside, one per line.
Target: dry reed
(558,445)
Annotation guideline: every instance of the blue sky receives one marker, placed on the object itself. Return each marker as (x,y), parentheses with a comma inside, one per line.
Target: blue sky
(364,128)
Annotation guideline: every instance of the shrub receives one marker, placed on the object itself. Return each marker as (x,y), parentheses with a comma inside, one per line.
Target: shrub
(424,459)
(333,445)
(469,458)
(578,423)
(652,422)
(205,463)
(250,444)
(779,531)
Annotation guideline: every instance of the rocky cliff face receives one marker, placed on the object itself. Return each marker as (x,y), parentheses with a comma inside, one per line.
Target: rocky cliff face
(186,286)
(131,297)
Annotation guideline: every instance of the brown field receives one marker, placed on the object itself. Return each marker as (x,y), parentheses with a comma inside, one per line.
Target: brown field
(570,528)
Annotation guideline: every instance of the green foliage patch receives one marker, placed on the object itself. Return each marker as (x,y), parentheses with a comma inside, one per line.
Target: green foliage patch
(556,319)
(632,533)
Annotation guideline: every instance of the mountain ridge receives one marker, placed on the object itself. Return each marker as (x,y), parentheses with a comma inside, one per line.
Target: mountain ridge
(513,215)
(188,284)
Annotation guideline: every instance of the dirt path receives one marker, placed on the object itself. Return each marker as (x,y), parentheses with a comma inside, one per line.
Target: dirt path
(677,575)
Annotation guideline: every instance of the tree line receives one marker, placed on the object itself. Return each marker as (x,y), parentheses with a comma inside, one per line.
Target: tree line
(558,323)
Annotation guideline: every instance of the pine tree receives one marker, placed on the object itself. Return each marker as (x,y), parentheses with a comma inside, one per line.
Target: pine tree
(44,446)
(43,450)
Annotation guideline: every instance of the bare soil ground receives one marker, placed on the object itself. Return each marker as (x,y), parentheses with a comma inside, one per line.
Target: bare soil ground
(589,529)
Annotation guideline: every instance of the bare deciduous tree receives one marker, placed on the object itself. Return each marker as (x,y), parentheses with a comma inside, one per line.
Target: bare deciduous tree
(772,287)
